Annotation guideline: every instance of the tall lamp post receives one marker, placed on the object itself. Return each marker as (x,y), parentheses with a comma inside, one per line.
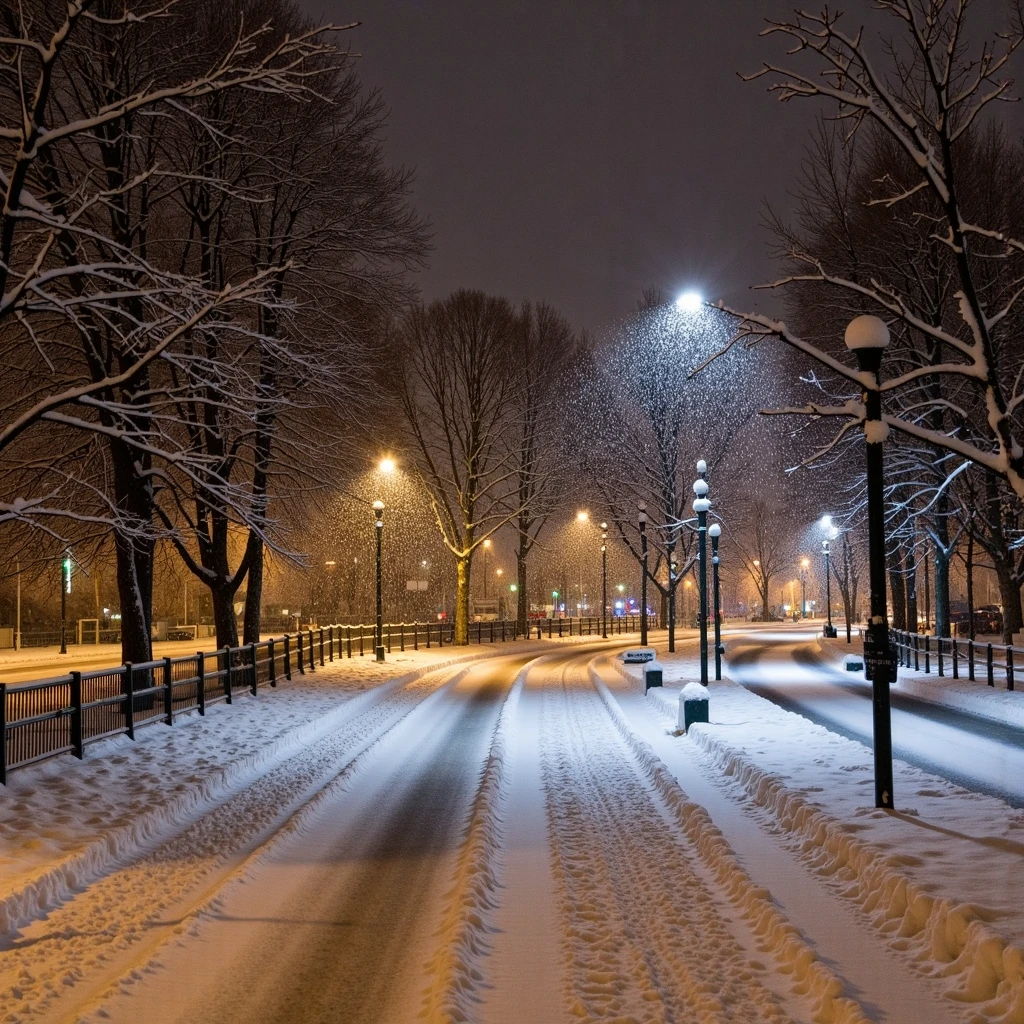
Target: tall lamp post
(65,589)
(643,573)
(701,506)
(804,564)
(487,547)
(604,581)
(378,522)
(829,630)
(714,532)
(867,337)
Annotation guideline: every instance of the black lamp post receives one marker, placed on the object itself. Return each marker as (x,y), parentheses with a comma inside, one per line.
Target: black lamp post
(829,630)
(65,589)
(643,573)
(378,522)
(714,532)
(604,580)
(701,506)
(867,337)
(803,587)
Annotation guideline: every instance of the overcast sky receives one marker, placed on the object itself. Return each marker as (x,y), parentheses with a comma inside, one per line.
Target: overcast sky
(578,150)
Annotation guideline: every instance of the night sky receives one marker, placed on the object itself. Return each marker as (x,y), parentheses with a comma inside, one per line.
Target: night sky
(577,151)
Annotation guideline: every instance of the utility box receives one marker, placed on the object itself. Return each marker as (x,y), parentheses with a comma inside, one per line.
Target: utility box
(653,675)
(853,662)
(693,706)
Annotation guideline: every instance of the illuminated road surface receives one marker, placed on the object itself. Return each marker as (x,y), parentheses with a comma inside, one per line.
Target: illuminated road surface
(489,844)
(789,670)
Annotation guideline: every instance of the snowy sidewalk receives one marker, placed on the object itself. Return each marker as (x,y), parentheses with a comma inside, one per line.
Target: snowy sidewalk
(938,878)
(64,821)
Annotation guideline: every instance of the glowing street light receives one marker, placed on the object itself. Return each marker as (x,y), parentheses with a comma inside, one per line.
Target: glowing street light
(387,465)
(487,547)
(689,302)
(582,517)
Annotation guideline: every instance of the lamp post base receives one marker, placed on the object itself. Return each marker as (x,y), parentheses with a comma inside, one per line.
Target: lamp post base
(379,651)
(830,632)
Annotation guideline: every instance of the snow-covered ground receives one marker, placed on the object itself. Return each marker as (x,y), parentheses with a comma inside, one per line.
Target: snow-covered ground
(519,837)
(937,879)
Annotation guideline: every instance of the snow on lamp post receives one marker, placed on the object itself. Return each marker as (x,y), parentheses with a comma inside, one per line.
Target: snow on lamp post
(866,337)
(378,522)
(604,581)
(714,532)
(642,518)
(701,506)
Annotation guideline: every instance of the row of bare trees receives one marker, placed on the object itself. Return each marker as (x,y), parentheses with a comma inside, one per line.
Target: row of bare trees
(910,208)
(198,239)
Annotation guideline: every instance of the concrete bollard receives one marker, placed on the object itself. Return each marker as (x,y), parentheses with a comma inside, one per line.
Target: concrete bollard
(693,706)
(653,674)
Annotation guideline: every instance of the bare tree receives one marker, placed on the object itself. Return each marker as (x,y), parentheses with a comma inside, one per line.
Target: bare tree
(928,106)
(454,372)
(544,348)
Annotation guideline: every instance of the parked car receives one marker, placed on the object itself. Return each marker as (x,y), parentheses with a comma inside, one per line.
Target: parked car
(988,619)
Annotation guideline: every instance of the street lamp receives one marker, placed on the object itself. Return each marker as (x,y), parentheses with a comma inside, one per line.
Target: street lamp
(867,337)
(378,522)
(604,581)
(65,589)
(701,506)
(642,518)
(487,547)
(714,532)
(804,563)
(387,465)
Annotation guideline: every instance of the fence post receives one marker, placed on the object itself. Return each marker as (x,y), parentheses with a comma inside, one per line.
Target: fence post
(956,660)
(348,641)
(440,634)
(927,653)
(76,714)
(287,656)
(988,660)
(272,669)
(255,678)
(227,674)
(312,653)
(360,640)
(415,636)
(129,711)
(201,692)
(168,692)
(1009,669)
(330,642)
(3,734)
(389,638)
(917,653)
(938,642)
(321,646)
(970,659)
(299,658)
(428,636)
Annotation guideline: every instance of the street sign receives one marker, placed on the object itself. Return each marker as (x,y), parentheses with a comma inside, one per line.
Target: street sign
(879,658)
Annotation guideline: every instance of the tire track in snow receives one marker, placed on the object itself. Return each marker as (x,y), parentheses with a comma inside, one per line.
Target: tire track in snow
(83,944)
(458,968)
(645,936)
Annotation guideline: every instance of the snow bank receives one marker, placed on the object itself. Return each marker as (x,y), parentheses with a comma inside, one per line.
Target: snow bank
(776,935)
(938,877)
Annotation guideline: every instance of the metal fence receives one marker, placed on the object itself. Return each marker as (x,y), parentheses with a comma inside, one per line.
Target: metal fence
(955,655)
(64,715)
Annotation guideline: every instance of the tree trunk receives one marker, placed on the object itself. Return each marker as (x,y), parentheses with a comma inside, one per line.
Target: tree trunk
(897,587)
(462,578)
(135,592)
(224,619)
(1009,595)
(912,610)
(671,616)
(522,607)
(254,592)
(941,592)
(969,564)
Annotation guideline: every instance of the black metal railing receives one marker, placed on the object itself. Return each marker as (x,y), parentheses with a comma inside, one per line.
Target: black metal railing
(956,657)
(64,715)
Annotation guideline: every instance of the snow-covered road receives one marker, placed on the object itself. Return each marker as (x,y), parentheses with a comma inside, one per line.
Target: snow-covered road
(517,839)
(978,754)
